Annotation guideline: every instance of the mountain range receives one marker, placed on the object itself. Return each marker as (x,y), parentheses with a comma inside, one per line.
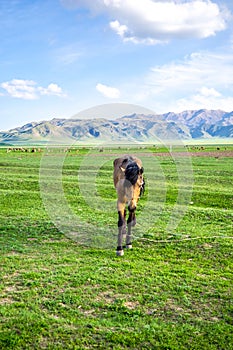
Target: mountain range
(187,125)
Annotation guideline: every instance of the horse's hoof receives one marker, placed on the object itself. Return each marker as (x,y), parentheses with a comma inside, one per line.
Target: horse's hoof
(120,252)
(129,246)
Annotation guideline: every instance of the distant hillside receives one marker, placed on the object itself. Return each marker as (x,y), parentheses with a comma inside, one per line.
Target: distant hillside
(136,127)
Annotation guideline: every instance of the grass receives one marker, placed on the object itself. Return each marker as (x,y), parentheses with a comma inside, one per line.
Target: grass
(172,291)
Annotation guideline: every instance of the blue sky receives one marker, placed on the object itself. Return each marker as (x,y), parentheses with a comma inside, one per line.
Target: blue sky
(59,57)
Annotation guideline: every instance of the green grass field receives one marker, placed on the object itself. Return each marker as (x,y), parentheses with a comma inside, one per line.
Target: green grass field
(173,290)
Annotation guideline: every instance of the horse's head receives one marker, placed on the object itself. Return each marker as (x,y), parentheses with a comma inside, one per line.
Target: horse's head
(129,169)
(134,176)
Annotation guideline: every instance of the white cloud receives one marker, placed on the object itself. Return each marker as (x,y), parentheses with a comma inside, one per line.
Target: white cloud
(119,29)
(123,30)
(200,101)
(209,92)
(152,22)
(18,88)
(52,89)
(212,70)
(28,89)
(108,91)
(200,80)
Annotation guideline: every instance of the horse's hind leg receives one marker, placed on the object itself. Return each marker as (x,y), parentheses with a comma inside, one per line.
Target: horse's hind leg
(124,227)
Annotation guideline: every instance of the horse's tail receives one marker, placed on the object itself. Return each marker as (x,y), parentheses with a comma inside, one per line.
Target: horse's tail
(131,173)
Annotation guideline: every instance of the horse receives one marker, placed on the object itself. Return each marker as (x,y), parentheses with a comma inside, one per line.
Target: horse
(129,184)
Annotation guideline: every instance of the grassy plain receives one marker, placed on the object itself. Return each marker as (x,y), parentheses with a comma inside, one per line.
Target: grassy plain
(173,290)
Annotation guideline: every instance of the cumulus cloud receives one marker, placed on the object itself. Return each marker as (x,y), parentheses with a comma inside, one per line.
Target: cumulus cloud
(52,89)
(18,88)
(108,91)
(28,89)
(209,92)
(154,21)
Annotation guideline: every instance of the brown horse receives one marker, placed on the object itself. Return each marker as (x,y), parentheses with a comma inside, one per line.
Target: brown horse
(129,184)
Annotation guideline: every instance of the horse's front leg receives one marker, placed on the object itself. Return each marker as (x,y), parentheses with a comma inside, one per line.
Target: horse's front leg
(130,223)
(135,193)
(121,228)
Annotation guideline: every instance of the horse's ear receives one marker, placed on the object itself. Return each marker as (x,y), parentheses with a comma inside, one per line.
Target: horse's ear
(116,161)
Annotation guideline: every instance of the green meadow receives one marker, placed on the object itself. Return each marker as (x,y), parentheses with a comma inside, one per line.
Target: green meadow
(62,285)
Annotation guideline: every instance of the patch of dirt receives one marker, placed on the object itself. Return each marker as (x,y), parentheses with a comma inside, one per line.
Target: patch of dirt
(107,297)
(7,301)
(199,153)
(131,304)
(214,154)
